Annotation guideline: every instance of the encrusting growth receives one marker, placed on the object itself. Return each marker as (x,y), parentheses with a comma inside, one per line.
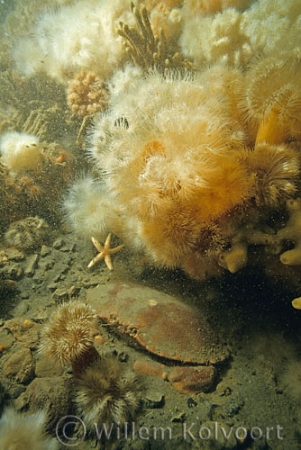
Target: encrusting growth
(87,94)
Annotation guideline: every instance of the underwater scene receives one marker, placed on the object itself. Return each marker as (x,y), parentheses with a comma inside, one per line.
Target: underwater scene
(150,224)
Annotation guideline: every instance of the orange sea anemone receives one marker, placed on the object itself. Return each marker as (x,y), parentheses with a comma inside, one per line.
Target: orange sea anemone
(275,169)
(177,168)
(174,230)
(274,98)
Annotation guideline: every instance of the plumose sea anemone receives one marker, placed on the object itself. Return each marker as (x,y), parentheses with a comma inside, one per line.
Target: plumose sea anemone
(24,431)
(20,151)
(68,337)
(107,392)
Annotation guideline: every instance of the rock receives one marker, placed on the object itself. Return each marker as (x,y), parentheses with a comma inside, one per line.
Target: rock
(50,394)
(46,368)
(13,271)
(179,417)
(62,294)
(20,366)
(45,250)
(25,331)
(31,265)
(153,400)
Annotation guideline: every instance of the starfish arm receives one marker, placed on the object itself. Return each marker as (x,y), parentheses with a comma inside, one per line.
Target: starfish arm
(97,244)
(116,249)
(108,262)
(108,242)
(95,260)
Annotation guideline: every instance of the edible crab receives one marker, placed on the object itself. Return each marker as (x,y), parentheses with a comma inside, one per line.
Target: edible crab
(184,348)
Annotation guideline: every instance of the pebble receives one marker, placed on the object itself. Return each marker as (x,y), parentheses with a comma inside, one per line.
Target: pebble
(154,400)
(13,254)
(58,243)
(45,250)
(90,283)
(16,391)
(52,286)
(22,308)
(179,418)
(68,248)
(31,265)
(234,406)
(46,265)
(123,357)
(65,294)
(20,366)
(13,271)
(191,403)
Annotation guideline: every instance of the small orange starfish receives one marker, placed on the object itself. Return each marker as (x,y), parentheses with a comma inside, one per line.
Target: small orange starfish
(105,252)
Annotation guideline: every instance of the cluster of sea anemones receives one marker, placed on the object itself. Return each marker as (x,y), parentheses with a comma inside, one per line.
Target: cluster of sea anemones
(106,391)
(181,155)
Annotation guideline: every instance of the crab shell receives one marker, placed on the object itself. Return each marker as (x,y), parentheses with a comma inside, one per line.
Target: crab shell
(158,323)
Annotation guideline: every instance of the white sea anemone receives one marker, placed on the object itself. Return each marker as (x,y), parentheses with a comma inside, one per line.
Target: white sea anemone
(85,208)
(219,38)
(77,36)
(20,151)
(24,431)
